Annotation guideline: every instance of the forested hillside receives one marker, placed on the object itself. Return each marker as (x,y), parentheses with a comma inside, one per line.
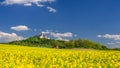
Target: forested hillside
(51,43)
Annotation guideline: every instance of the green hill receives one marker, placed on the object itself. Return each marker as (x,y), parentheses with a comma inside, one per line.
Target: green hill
(51,43)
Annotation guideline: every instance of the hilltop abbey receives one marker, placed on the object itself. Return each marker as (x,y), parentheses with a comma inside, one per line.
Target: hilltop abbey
(42,35)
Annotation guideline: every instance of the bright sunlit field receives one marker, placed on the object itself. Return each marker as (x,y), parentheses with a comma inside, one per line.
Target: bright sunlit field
(12,56)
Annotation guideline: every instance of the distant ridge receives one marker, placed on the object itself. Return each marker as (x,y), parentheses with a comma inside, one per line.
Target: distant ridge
(42,41)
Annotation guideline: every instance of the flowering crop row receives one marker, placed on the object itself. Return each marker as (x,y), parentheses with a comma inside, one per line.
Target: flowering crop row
(32,57)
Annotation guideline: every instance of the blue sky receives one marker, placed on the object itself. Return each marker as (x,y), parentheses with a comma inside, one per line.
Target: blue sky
(98,20)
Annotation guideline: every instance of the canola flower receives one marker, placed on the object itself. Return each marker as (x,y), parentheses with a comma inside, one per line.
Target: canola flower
(12,56)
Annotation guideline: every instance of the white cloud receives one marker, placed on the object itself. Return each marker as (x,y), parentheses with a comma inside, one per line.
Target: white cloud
(20,28)
(111,43)
(109,36)
(62,36)
(59,36)
(114,44)
(67,34)
(51,9)
(39,3)
(115,40)
(8,37)
(28,4)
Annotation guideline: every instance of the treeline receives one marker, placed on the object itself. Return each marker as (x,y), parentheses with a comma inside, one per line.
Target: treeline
(118,49)
(51,43)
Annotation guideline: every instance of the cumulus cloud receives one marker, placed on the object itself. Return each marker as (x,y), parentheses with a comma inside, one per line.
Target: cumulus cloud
(8,37)
(114,37)
(23,2)
(114,44)
(59,36)
(109,36)
(20,28)
(62,36)
(28,4)
(38,3)
(51,9)
(67,34)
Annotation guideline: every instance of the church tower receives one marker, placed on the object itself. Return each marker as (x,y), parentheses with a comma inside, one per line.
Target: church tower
(42,35)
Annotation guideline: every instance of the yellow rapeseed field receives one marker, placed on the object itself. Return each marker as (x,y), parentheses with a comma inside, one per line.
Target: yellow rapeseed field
(12,56)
